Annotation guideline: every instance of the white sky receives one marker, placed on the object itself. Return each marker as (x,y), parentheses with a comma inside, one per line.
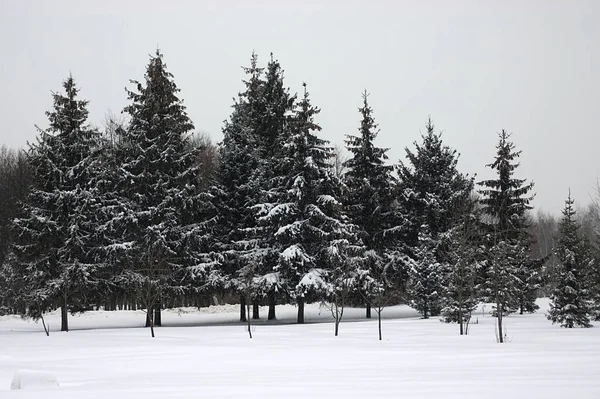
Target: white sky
(530,67)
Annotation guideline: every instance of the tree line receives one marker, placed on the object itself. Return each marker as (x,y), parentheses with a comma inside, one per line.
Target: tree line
(146,214)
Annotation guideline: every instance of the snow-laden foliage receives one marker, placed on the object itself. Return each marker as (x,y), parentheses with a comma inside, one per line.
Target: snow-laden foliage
(505,201)
(239,160)
(569,303)
(425,277)
(304,213)
(368,202)
(459,295)
(164,218)
(593,284)
(54,256)
(430,190)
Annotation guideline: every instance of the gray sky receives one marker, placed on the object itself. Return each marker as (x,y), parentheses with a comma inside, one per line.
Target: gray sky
(530,67)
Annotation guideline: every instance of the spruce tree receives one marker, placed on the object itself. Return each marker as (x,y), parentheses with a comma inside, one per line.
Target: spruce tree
(306,211)
(569,303)
(425,277)
(54,237)
(270,135)
(368,201)
(239,160)
(505,200)
(430,188)
(593,283)
(162,216)
(459,297)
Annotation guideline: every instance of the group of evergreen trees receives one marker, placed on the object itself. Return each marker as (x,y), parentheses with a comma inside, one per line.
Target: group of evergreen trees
(138,218)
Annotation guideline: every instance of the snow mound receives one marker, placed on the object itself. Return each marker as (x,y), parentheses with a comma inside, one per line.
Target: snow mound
(24,379)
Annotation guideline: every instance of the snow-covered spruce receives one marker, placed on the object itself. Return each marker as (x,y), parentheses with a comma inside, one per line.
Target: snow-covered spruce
(53,259)
(569,303)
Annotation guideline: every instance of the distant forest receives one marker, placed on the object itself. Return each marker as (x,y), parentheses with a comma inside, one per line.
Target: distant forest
(147,214)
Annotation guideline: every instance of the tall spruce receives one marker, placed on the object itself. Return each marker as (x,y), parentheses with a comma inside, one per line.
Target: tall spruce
(306,212)
(368,200)
(569,303)
(430,188)
(239,160)
(54,237)
(271,136)
(157,187)
(506,200)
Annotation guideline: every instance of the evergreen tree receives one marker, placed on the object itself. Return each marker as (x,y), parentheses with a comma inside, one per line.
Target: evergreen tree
(459,297)
(164,218)
(368,201)
(430,189)
(505,200)
(569,303)
(54,237)
(425,277)
(593,283)
(239,159)
(528,282)
(306,212)
(271,134)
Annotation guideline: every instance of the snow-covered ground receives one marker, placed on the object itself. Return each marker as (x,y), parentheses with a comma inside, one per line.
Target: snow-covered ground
(206,354)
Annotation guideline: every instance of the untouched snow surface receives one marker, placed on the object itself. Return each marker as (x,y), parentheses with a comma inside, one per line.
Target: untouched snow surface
(206,354)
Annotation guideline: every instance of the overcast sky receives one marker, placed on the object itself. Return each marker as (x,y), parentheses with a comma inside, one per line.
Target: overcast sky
(530,67)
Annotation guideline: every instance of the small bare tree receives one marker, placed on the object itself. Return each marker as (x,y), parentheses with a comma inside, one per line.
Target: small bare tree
(338,160)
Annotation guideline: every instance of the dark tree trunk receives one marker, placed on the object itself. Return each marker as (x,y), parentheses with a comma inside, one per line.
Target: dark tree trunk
(157,315)
(255,310)
(499,310)
(379,321)
(242,308)
(300,311)
(271,315)
(149,317)
(248,320)
(64,316)
(368,310)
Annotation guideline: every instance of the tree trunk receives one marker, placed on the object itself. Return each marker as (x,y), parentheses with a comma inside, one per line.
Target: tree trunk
(379,321)
(242,307)
(46,329)
(521,306)
(337,325)
(157,315)
(255,310)
(248,320)
(271,315)
(499,315)
(300,310)
(64,316)
(368,310)
(149,317)
(460,318)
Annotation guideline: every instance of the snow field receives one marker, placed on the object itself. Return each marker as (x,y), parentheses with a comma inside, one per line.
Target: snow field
(208,355)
